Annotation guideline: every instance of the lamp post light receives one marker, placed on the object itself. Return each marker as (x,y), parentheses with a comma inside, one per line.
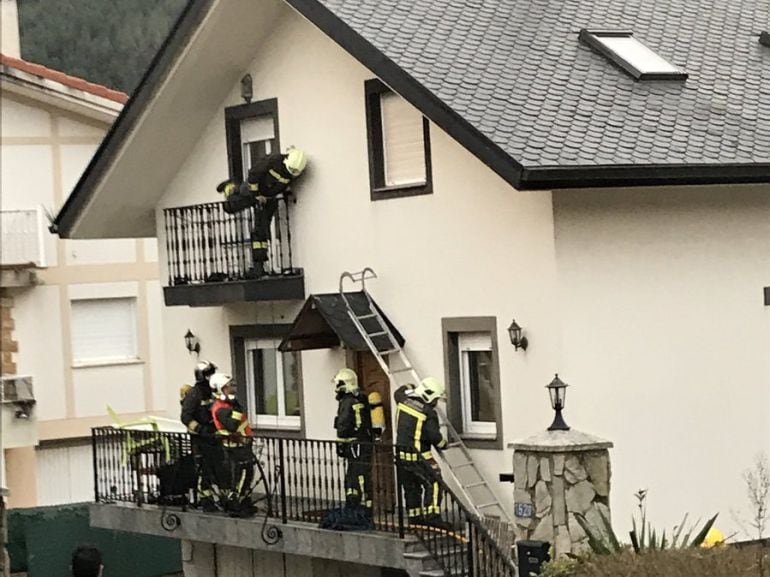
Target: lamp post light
(557,389)
(517,340)
(192,343)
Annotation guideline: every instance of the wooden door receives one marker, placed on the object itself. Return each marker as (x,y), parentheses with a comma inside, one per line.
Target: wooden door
(372,378)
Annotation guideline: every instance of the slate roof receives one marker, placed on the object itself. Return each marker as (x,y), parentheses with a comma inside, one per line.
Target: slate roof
(515,70)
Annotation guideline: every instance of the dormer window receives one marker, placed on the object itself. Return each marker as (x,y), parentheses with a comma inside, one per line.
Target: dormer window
(764,38)
(631,55)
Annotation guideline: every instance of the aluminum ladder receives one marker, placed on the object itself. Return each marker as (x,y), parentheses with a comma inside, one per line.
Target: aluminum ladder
(475,491)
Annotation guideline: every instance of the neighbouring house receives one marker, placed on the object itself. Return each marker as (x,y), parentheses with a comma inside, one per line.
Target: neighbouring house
(597,171)
(80,318)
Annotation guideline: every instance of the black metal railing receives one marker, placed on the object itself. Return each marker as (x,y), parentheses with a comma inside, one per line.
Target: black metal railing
(297,480)
(205,244)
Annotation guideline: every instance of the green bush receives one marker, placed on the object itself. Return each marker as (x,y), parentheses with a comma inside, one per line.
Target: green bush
(725,561)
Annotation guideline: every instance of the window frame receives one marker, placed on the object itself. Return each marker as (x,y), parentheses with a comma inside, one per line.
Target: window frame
(233,117)
(239,335)
(480,429)
(451,328)
(77,362)
(592,38)
(373,90)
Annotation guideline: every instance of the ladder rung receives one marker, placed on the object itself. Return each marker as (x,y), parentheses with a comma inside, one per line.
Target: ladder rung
(455,444)
(367,316)
(477,484)
(377,334)
(465,464)
(485,505)
(389,351)
(405,369)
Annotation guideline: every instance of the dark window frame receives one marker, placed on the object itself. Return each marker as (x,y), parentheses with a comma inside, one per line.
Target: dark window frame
(233,117)
(373,90)
(451,328)
(239,334)
(591,37)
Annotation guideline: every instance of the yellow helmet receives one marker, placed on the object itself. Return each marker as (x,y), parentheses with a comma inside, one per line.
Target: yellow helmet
(430,389)
(295,161)
(345,381)
(714,537)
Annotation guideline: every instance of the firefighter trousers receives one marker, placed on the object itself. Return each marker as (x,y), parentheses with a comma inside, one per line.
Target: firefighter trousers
(358,476)
(422,493)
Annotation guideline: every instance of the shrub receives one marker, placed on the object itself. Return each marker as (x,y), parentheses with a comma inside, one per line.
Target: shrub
(725,561)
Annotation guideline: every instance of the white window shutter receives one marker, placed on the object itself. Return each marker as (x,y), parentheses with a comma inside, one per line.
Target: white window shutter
(403,141)
(257,128)
(104,330)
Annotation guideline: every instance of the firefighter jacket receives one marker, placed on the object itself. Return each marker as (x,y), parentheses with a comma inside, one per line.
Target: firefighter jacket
(417,427)
(354,420)
(269,177)
(231,423)
(196,410)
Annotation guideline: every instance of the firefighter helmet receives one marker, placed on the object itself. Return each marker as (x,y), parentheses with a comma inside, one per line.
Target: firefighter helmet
(204,370)
(295,161)
(218,382)
(345,381)
(430,390)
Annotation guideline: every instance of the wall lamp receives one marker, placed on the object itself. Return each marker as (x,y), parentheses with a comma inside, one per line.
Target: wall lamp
(557,390)
(247,88)
(517,340)
(192,343)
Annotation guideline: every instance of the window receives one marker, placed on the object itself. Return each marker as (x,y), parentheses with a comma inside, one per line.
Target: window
(272,385)
(631,55)
(473,380)
(764,38)
(252,133)
(104,330)
(269,382)
(399,145)
(477,391)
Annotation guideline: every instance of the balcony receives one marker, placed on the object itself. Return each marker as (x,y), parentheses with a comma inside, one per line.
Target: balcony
(209,257)
(297,482)
(17,403)
(22,235)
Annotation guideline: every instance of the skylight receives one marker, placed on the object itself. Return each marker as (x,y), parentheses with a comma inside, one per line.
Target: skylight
(620,47)
(764,38)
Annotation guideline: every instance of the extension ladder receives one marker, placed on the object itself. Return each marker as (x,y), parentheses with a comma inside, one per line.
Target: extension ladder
(475,491)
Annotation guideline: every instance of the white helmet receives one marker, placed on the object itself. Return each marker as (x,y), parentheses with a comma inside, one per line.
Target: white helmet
(204,369)
(345,381)
(430,390)
(218,382)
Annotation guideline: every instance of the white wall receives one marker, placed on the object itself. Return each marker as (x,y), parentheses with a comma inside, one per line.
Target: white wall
(475,247)
(667,340)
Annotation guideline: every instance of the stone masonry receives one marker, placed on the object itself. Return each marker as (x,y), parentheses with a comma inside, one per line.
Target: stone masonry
(557,474)
(8,345)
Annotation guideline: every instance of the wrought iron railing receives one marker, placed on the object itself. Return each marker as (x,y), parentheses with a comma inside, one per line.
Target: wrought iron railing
(205,244)
(297,480)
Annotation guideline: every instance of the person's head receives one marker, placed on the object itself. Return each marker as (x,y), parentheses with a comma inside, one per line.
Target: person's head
(222,386)
(87,562)
(430,390)
(295,161)
(204,370)
(345,381)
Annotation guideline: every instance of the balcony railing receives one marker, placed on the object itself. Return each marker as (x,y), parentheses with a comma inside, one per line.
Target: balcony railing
(22,236)
(205,244)
(297,480)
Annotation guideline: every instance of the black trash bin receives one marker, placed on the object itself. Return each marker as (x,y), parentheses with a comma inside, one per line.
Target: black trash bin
(532,555)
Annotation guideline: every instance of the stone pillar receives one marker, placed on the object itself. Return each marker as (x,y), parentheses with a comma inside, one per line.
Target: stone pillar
(8,344)
(557,474)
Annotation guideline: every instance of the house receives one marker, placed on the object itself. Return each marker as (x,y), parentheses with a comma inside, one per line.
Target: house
(599,172)
(80,318)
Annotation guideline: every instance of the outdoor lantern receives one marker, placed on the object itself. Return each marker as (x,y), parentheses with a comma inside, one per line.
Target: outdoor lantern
(247,88)
(192,343)
(557,389)
(517,340)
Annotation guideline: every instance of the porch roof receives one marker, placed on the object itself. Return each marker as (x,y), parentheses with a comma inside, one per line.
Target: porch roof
(324,323)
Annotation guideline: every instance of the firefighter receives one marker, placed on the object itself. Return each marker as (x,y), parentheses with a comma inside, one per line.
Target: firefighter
(266,180)
(196,416)
(417,431)
(354,436)
(234,433)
